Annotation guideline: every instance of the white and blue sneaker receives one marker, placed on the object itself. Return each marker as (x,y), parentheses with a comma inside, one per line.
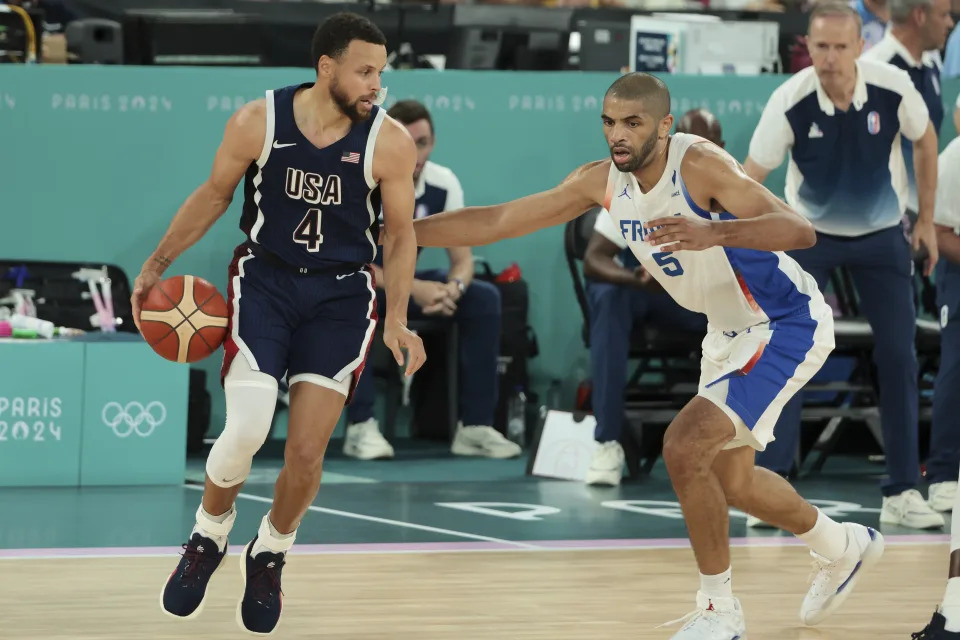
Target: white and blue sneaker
(833,581)
(713,619)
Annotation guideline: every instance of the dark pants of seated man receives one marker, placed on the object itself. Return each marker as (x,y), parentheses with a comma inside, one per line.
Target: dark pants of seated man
(944,457)
(614,311)
(882,272)
(478,330)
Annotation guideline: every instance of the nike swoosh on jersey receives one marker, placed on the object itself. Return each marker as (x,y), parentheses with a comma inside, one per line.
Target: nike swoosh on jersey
(277,145)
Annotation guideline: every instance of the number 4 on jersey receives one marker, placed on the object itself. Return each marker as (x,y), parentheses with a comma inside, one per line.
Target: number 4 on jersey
(308,231)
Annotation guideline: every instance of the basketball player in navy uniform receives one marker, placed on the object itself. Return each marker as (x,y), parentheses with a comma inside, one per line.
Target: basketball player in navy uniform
(714,240)
(317,160)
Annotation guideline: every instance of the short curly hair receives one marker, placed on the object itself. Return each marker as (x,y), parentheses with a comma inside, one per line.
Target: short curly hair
(335,34)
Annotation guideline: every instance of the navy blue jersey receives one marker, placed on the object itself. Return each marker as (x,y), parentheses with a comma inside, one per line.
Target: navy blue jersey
(313,207)
(846,171)
(925,75)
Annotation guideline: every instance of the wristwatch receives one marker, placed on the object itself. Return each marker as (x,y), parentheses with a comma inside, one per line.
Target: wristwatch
(462,287)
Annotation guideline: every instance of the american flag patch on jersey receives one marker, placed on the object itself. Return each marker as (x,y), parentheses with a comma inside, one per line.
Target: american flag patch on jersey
(350,156)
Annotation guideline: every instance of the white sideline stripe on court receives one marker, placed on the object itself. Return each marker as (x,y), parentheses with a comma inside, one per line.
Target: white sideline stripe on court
(335,549)
(396,523)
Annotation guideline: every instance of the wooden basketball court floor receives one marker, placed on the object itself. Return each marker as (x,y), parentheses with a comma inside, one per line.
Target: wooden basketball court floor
(427,547)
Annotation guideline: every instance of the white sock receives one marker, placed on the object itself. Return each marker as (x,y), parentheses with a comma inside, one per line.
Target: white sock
(955,524)
(951,605)
(217,528)
(951,599)
(718,586)
(828,538)
(271,540)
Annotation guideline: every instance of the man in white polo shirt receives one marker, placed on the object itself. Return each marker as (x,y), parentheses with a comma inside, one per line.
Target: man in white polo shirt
(919,30)
(945,439)
(842,121)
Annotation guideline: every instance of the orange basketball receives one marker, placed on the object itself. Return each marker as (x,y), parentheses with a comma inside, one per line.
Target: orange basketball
(184,318)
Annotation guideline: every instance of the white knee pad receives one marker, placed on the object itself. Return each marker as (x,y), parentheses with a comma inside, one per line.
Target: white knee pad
(251,400)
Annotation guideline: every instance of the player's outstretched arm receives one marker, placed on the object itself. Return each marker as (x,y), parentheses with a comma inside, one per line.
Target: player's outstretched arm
(476,226)
(764,222)
(243,141)
(394,162)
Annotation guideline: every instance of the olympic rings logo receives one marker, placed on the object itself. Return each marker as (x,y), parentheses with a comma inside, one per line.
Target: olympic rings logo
(134,417)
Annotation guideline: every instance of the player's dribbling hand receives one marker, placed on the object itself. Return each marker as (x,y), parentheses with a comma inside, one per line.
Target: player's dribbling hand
(925,234)
(397,338)
(680,233)
(141,287)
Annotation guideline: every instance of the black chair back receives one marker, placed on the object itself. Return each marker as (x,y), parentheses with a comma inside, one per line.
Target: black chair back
(576,237)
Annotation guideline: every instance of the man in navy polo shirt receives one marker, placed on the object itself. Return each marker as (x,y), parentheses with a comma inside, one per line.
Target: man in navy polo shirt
(473,304)
(919,30)
(842,121)
(945,624)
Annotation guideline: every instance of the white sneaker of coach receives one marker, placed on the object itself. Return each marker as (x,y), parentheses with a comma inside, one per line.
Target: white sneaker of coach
(606,465)
(941,496)
(364,441)
(910,510)
(480,440)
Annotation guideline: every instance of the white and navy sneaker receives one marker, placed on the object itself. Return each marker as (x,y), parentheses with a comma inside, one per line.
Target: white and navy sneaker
(936,630)
(186,588)
(259,609)
(832,582)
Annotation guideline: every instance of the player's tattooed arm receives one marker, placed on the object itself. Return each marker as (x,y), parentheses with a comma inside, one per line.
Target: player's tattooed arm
(242,144)
(718,183)
(476,226)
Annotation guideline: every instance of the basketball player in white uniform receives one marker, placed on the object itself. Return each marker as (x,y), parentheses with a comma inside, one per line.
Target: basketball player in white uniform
(713,238)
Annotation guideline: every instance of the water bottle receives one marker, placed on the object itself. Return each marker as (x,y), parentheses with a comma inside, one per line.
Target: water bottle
(43,328)
(554,395)
(516,417)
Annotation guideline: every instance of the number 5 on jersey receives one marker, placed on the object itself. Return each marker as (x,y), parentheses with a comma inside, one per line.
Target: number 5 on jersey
(308,231)
(670,265)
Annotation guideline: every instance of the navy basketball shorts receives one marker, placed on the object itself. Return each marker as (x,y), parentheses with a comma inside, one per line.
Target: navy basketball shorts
(314,327)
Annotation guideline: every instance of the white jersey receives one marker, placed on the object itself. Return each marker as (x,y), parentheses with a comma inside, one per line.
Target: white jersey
(734,288)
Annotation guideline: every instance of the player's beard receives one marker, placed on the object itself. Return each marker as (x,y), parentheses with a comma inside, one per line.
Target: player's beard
(349,109)
(640,159)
